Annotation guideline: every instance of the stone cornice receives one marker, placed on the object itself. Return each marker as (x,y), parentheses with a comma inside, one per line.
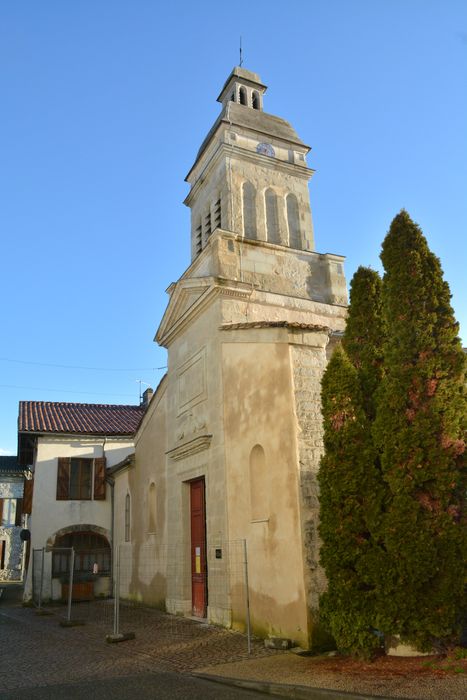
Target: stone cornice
(171,325)
(228,150)
(189,448)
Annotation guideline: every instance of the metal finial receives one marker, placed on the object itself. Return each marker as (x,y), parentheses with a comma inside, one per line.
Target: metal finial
(241,53)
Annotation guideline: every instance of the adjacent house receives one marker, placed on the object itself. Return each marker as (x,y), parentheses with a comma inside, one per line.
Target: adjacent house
(227,454)
(11,519)
(69,448)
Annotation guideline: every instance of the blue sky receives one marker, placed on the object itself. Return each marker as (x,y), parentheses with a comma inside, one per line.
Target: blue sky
(104,104)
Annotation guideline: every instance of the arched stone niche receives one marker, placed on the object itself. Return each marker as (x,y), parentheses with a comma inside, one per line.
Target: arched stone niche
(82,527)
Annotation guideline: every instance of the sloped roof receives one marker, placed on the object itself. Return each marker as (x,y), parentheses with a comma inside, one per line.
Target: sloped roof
(264,124)
(9,463)
(78,418)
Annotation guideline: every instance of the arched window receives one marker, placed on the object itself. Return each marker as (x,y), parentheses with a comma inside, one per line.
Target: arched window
(293,220)
(272,217)
(259,484)
(255,99)
(249,210)
(127,517)
(152,508)
(243,98)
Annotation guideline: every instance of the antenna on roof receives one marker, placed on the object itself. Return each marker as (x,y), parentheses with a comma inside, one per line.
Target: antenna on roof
(140,381)
(241,53)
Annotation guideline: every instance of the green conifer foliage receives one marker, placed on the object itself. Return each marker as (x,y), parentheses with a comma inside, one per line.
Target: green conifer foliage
(419,431)
(363,339)
(346,479)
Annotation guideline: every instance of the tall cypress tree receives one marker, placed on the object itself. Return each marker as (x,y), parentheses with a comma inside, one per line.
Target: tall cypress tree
(364,333)
(347,484)
(419,430)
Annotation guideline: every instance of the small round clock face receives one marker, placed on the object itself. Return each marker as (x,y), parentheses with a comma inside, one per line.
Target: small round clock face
(265,149)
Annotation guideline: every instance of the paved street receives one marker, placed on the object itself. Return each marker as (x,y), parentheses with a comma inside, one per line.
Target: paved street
(40,659)
(146,686)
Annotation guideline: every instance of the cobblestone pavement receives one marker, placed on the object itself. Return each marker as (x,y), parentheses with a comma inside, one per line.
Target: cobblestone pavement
(37,651)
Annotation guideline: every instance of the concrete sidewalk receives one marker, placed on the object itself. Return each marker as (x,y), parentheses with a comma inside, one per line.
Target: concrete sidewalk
(289,675)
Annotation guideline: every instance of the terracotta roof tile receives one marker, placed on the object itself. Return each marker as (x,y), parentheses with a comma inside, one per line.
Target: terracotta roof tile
(81,418)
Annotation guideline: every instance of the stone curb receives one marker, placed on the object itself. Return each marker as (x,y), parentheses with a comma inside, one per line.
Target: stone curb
(300,692)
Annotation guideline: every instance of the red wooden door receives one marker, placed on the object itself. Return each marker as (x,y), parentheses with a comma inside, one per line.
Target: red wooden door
(198,549)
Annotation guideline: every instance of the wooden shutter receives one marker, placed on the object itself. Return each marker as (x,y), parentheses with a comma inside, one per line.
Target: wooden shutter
(63,479)
(27,495)
(99,479)
(2,553)
(19,511)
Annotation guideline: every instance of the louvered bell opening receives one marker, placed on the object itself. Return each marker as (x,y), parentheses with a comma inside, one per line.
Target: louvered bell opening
(207,226)
(198,239)
(217,215)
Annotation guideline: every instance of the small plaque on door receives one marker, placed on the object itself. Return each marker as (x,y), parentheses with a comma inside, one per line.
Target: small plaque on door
(198,560)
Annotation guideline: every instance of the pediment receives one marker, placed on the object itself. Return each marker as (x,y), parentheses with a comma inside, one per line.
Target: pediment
(189,297)
(186,295)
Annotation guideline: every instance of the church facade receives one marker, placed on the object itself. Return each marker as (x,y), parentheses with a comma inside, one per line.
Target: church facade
(227,453)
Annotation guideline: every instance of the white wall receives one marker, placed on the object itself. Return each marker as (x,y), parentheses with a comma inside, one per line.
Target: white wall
(49,515)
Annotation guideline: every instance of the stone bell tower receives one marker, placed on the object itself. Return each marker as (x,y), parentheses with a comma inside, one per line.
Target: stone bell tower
(250,175)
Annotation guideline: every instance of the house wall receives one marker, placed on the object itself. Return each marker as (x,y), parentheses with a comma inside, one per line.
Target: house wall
(11,487)
(143,559)
(50,515)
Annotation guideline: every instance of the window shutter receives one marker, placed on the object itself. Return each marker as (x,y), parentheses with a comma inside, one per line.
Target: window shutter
(19,511)
(27,495)
(63,479)
(99,479)
(1,510)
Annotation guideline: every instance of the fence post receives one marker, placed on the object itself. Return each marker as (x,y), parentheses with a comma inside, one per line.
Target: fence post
(247,595)
(117,590)
(70,585)
(33,576)
(42,579)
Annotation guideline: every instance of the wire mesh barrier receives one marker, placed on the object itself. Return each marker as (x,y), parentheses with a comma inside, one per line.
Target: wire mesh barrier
(64,579)
(84,577)
(205,582)
(38,563)
(154,592)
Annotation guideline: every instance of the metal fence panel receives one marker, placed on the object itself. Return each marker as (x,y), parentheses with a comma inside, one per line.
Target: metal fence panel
(160,576)
(37,576)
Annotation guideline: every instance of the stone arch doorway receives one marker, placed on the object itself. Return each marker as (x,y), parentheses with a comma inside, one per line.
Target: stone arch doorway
(92,552)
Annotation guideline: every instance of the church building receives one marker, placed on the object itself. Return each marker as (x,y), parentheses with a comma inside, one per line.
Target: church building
(227,453)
